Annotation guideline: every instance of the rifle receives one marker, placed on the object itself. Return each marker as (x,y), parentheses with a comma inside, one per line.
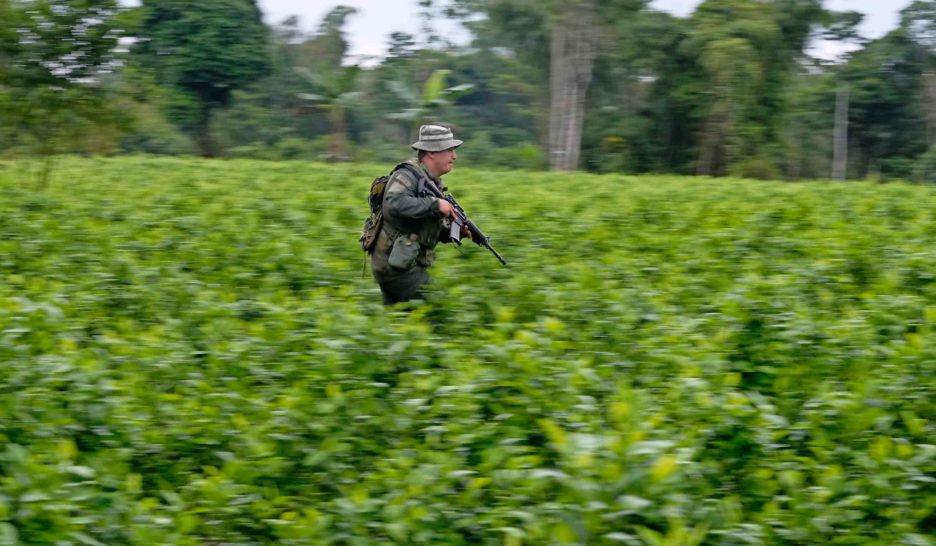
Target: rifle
(461,219)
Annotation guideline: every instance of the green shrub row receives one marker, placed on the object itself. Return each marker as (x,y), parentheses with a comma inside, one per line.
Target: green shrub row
(191,355)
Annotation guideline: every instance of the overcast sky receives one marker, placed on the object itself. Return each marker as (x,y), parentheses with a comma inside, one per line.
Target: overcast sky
(376,19)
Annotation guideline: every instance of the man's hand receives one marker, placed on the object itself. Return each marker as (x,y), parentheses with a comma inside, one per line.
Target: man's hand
(446,208)
(465,232)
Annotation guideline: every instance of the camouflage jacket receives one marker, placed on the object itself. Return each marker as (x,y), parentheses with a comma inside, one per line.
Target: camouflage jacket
(408,210)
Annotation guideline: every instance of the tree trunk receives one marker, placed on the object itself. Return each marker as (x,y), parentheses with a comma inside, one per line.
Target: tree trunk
(707,147)
(48,137)
(572,57)
(795,160)
(714,137)
(929,106)
(840,142)
(203,137)
(339,138)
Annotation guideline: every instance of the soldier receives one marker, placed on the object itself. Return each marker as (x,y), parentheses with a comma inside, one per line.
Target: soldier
(414,221)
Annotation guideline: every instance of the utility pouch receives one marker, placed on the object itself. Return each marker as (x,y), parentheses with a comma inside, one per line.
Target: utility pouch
(371,231)
(404,252)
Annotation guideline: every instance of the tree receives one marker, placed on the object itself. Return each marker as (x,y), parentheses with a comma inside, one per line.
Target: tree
(54,55)
(807,129)
(645,99)
(814,101)
(575,31)
(840,140)
(506,64)
(401,46)
(334,93)
(573,48)
(328,47)
(887,114)
(918,21)
(733,39)
(736,63)
(204,50)
(425,107)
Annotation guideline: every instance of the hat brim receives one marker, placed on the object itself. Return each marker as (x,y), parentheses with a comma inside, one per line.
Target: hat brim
(436,145)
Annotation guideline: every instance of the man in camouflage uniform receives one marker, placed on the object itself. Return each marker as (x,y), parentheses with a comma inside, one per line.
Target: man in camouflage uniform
(414,221)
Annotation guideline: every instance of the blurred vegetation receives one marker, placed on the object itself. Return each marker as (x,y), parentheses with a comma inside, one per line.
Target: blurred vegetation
(192,356)
(736,88)
(201,53)
(54,59)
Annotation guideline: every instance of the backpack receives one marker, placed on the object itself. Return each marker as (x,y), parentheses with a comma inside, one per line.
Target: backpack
(374,222)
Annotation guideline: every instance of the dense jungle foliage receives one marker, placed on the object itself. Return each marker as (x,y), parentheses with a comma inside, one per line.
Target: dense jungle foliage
(770,89)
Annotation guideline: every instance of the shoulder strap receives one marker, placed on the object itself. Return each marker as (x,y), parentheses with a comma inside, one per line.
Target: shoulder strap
(421,179)
(417,172)
(411,168)
(406,165)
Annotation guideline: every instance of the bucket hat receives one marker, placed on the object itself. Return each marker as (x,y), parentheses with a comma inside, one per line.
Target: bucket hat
(435,138)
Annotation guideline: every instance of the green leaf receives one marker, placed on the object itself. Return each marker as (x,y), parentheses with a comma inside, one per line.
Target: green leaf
(433,87)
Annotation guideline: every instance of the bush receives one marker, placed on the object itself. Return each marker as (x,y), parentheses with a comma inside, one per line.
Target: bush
(301,148)
(384,152)
(290,148)
(757,168)
(152,133)
(522,157)
(482,151)
(925,168)
(897,168)
(613,155)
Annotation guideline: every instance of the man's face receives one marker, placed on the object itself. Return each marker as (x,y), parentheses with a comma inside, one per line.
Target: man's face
(444,161)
